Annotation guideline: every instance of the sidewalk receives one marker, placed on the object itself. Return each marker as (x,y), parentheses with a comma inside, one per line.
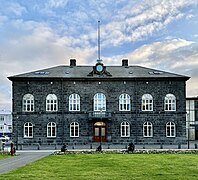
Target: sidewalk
(22,158)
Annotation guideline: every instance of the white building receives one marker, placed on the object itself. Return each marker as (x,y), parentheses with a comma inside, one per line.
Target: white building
(5,123)
(192,118)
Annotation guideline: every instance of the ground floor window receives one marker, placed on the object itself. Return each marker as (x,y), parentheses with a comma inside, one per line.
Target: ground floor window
(125,129)
(74,129)
(51,129)
(28,130)
(170,129)
(147,129)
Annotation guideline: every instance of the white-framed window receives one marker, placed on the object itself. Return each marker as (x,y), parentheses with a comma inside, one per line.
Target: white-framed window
(74,129)
(99,102)
(51,129)
(74,102)
(28,103)
(147,129)
(170,129)
(124,102)
(170,102)
(125,129)
(28,130)
(147,102)
(2,118)
(51,102)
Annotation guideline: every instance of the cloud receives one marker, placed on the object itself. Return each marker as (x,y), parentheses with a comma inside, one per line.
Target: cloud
(134,23)
(12,9)
(57,3)
(172,55)
(48,33)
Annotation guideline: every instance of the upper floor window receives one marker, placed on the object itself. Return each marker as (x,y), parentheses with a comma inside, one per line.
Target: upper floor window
(74,102)
(28,130)
(147,102)
(147,129)
(51,129)
(74,129)
(125,129)
(170,129)
(99,102)
(124,102)
(170,102)
(51,102)
(28,102)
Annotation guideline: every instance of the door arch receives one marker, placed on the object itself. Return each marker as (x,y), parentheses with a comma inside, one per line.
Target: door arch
(99,134)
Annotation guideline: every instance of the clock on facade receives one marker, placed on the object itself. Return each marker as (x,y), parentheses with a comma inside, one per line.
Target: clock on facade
(99,67)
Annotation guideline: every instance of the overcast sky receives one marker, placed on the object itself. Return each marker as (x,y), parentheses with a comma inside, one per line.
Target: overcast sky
(36,34)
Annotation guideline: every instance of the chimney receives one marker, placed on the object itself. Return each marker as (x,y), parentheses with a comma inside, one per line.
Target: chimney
(125,62)
(72,62)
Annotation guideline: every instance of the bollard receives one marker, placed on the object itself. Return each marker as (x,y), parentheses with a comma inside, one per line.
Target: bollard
(55,146)
(161,146)
(195,146)
(90,146)
(143,146)
(12,149)
(38,147)
(179,146)
(108,146)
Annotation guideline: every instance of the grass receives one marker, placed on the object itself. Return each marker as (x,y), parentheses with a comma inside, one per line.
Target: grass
(3,155)
(110,166)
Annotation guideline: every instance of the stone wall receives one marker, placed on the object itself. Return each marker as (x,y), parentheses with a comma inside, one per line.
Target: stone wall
(112,88)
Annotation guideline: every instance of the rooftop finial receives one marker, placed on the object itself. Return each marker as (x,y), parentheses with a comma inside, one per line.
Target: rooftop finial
(99,60)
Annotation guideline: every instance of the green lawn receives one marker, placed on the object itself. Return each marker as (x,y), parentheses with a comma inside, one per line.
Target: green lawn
(110,166)
(3,155)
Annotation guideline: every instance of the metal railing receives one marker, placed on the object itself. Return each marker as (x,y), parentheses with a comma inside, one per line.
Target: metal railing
(98,114)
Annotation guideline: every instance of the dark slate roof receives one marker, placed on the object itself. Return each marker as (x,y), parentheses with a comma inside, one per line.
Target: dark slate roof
(79,72)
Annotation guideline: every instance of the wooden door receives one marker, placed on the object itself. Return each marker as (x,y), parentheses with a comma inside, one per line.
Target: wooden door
(99,133)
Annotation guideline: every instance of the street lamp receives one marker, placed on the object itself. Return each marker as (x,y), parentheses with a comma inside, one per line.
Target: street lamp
(101,128)
(17,132)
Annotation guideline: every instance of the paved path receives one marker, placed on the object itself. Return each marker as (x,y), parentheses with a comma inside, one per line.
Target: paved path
(22,158)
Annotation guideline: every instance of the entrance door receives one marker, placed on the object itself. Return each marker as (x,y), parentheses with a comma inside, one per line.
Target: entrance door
(99,132)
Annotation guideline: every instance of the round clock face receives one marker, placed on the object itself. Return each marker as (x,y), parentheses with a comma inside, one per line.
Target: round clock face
(99,68)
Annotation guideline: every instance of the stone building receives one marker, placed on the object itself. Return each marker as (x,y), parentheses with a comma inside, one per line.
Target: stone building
(86,104)
(192,118)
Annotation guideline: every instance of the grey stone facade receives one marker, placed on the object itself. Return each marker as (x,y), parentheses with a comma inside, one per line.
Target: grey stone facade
(134,84)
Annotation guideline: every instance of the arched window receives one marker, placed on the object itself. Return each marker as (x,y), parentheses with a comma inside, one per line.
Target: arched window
(124,102)
(147,129)
(51,102)
(28,130)
(170,129)
(99,102)
(170,102)
(28,103)
(51,129)
(125,129)
(147,102)
(74,102)
(74,129)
